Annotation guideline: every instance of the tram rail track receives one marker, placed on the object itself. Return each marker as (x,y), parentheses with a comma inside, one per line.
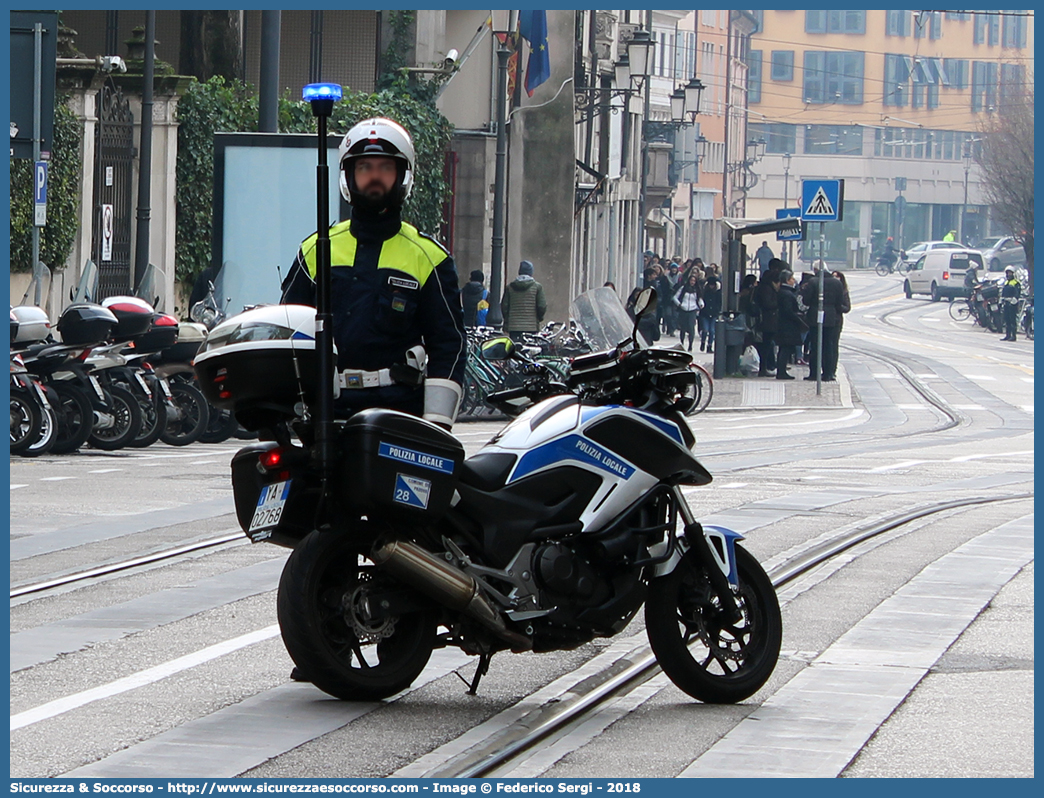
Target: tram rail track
(955,418)
(500,749)
(124,565)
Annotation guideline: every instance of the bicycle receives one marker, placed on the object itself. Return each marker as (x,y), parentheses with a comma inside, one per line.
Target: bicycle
(704,386)
(898,266)
(963,311)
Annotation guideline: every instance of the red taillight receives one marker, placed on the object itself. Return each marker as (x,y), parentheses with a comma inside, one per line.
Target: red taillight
(946,275)
(225,395)
(271,459)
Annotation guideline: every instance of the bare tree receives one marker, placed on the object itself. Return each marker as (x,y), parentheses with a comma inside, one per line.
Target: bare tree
(1006,160)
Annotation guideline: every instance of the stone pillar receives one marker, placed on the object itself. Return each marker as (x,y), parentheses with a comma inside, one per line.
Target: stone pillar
(541,179)
(164,186)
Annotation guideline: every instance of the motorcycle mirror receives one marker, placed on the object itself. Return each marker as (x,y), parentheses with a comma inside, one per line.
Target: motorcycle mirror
(498,348)
(644,303)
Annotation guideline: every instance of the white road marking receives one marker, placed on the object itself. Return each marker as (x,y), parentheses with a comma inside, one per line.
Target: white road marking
(885,376)
(979,377)
(54,479)
(1028,379)
(763,416)
(894,466)
(140,679)
(913,407)
(869,316)
(104,470)
(16,487)
(929,318)
(854,414)
(927,376)
(733,485)
(1028,408)
(966,457)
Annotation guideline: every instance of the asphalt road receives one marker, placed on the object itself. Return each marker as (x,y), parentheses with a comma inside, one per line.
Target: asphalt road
(177,669)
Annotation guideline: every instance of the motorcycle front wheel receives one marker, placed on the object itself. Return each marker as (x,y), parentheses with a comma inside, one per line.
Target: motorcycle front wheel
(323,593)
(714,662)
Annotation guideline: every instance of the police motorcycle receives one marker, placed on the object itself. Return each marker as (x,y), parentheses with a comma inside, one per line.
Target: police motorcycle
(553,534)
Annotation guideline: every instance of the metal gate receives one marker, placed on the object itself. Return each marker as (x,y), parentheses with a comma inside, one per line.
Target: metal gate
(114,155)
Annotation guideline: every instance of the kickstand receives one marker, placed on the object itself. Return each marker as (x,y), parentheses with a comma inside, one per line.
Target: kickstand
(480,671)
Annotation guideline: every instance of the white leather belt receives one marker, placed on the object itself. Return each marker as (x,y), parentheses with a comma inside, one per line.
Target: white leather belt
(355,378)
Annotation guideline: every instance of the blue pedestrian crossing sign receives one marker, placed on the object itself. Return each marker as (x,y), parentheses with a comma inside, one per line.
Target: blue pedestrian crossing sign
(822,200)
(796,235)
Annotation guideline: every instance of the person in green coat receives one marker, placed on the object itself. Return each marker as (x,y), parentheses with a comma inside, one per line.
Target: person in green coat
(523,305)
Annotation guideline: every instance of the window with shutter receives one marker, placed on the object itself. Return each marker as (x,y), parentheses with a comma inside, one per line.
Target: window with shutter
(782,65)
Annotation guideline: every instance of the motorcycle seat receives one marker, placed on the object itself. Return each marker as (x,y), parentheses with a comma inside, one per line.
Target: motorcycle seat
(487,471)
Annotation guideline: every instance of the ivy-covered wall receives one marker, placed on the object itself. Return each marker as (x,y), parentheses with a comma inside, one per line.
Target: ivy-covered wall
(219,105)
(63,197)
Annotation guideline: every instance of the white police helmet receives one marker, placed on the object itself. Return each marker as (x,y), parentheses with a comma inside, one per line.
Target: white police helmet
(377,137)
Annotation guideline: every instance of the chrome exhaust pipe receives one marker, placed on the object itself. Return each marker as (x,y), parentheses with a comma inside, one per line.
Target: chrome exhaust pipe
(445,584)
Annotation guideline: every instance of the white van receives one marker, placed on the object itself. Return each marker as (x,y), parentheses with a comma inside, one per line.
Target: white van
(940,273)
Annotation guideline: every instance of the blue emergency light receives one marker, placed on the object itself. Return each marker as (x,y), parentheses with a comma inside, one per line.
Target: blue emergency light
(321,91)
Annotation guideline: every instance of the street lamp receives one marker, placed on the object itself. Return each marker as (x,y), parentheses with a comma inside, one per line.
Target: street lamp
(756,148)
(693,93)
(678,106)
(640,56)
(622,68)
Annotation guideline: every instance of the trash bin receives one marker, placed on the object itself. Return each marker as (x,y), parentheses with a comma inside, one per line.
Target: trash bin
(735,330)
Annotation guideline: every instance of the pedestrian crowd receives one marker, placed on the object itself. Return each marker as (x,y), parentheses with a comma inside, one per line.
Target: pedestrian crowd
(781,312)
(779,308)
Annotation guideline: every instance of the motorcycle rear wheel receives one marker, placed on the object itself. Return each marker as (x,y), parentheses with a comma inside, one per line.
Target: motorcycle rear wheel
(124,407)
(153,420)
(48,433)
(714,662)
(221,426)
(26,423)
(75,418)
(322,581)
(192,417)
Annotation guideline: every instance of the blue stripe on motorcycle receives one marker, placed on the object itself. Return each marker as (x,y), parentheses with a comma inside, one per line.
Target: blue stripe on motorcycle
(571,448)
(667,427)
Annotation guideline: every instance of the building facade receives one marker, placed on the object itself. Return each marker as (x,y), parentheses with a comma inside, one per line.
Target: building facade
(893,102)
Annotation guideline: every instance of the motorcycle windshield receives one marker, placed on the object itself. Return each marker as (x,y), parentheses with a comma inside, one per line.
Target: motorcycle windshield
(39,288)
(601,316)
(87,289)
(149,286)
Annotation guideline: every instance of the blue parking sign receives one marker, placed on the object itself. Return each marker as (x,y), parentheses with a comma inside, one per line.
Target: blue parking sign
(40,193)
(822,200)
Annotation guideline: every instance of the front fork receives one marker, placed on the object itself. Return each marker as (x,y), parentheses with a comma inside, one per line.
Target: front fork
(715,546)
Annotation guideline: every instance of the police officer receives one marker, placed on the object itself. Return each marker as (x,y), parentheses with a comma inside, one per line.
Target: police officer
(393,288)
(1011,290)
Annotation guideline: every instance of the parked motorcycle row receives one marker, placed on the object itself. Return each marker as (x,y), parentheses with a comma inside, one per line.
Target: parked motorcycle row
(118,374)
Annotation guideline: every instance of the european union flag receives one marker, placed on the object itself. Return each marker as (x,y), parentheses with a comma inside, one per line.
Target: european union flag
(532,25)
